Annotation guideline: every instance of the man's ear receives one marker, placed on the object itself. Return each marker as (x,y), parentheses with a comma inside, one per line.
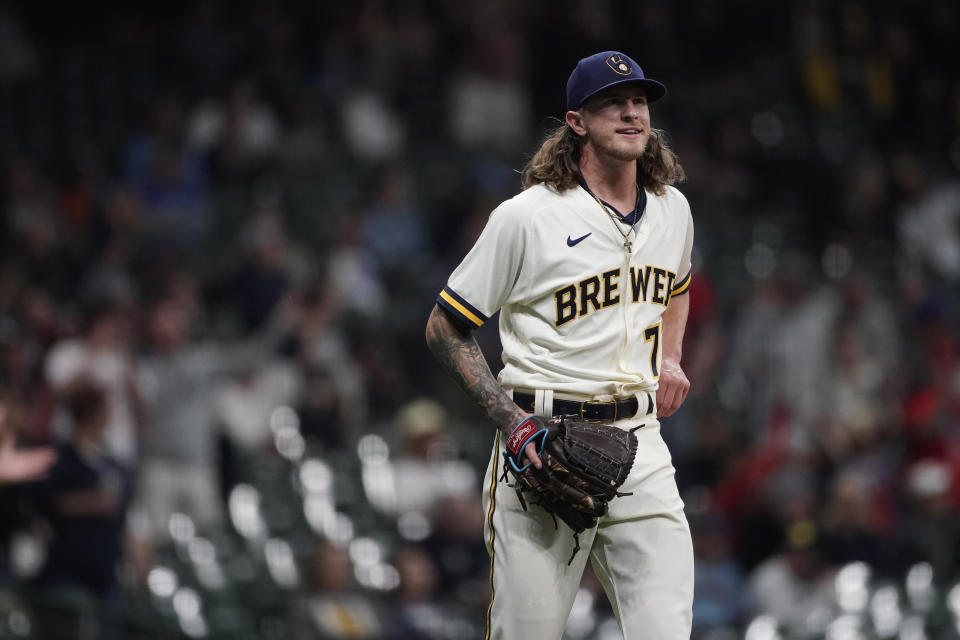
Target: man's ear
(575,121)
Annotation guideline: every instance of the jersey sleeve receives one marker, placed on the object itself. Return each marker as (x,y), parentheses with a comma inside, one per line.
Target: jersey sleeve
(682,284)
(482,282)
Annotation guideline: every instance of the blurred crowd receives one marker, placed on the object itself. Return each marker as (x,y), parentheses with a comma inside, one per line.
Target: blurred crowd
(222,228)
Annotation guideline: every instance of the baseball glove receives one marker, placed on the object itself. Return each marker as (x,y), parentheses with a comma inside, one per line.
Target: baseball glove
(584,466)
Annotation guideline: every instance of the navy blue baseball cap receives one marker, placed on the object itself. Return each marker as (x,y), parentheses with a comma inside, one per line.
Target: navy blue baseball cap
(606,69)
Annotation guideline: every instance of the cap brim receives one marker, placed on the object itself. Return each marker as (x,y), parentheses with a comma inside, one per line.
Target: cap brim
(653,89)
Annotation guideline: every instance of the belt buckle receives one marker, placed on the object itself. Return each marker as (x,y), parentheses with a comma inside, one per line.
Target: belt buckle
(602,402)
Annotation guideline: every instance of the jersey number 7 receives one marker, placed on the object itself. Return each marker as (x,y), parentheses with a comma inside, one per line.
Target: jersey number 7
(652,334)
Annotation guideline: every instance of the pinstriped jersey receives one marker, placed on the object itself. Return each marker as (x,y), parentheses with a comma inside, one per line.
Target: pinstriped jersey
(579,313)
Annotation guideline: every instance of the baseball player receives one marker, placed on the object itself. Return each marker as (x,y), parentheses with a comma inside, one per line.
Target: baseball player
(588,267)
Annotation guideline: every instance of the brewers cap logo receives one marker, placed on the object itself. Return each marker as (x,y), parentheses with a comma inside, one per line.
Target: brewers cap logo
(619,66)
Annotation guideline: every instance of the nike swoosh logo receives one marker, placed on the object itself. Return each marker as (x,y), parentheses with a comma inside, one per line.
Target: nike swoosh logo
(573,243)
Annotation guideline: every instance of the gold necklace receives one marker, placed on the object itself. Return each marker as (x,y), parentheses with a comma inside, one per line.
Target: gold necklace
(627,245)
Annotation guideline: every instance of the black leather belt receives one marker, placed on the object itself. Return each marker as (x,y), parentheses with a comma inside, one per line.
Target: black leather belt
(592,410)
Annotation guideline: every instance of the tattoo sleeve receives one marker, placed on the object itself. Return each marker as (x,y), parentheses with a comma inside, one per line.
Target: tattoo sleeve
(461,357)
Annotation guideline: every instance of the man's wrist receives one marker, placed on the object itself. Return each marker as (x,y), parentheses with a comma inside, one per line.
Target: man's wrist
(522,432)
(507,424)
(670,361)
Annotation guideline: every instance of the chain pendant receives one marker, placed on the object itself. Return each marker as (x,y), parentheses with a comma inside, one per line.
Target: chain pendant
(627,245)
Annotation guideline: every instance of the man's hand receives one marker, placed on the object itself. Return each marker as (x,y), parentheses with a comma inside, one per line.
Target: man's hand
(522,440)
(21,465)
(673,388)
(24,465)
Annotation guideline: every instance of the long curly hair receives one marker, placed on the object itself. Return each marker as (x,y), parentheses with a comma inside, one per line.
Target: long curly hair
(556,163)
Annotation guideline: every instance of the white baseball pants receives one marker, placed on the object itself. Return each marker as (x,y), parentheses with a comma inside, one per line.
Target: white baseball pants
(641,551)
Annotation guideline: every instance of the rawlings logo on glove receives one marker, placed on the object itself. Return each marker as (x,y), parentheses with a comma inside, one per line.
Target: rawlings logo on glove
(584,466)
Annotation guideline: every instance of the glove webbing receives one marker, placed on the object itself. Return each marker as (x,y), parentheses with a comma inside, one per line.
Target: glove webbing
(523,503)
(556,525)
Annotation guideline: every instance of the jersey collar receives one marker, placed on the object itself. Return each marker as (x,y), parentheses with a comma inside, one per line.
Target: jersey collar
(634,216)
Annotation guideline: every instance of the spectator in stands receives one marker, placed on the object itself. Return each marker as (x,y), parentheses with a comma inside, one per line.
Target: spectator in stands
(320,411)
(334,406)
(179,468)
(85,500)
(488,106)
(415,610)
(353,274)
(179,376)
(719,601)
(759,368)
(244,402)
(929,218)
(852,523)
(331,608)
(39,243)
(266,271)
(19,468)
(239,134)
(305,149)
(427,468)
(857,406)
(102,353)
(795,585)
(461,559)
(930,527)
(170,178)
(393,227)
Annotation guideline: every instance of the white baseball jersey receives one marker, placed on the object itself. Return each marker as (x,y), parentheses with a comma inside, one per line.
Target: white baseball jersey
(580,314)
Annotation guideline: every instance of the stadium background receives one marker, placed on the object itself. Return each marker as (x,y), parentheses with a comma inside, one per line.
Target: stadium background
(293,183)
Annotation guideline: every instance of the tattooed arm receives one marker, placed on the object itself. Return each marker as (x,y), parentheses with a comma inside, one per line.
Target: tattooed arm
(461,357)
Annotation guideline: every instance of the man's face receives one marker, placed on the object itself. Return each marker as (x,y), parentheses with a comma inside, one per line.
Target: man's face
(169,325)
(617,122)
